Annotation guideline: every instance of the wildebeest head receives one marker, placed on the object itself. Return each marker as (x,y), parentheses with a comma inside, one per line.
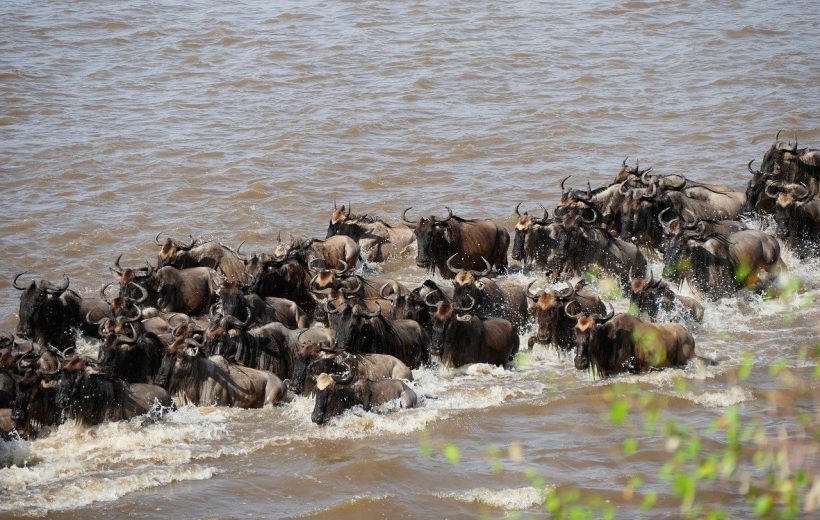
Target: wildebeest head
(649,295)
(628,173)
(170,249)
(177,362)
(548,308)
(339,216)
(429,231)
(523,228)
(788,199)
(773,158)
(571,230)
(586,328)
(133,282)
(312,344)
(73,382)
(445,315)
(351,321)
(755,188)
(39,301)
(35,389)
(334,395)
(674,246)
(467,283)
(638,212)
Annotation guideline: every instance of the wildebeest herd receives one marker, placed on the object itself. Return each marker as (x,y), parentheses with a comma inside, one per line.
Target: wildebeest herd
(209,325)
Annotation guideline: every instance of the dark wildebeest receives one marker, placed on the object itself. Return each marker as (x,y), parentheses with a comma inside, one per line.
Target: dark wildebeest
(792,164)
(335,394)
(258,311)
(261,348)
(610,345)
(361,331)
(134,357)
(213,381)
(91,398)
(459,338)
(492,299)
(472,240)
(797,214)
(717,265)
(210,254)
(581,245)
(50,314)
(654,297)
(554,325)
(377,239)
(535,240)
(35,402)
(284,276)
(8,380)
(312,360)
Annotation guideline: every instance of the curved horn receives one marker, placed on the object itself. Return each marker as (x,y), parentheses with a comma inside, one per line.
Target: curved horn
(98,322)
(142,290)
(651,194)
(449,215)
(486,271)
(314,268)
(233,320)
(749,166)
(568,292)
(466,309)
(546,216)
(404,217)
(343,270)
(102,292)
(354,290)
(664,225)
(807,194)
(560,211)
(427,299)
(564,190)
(530,294)
(777,137)
(450,266)
(686,220)
(624,163)
(393,285)
(336,309)
(366,312)
(608,315)
(770,194)
(595,216)
(347,214)
(516,209)
(58,288)
(14,282)
(136,317)
(569,314)
(349,376)
(119,268)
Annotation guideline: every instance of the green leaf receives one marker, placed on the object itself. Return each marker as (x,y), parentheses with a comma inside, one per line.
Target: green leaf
(649,500)
(763,504)
(630,446)
(450,452)
(619,411)
(746,365)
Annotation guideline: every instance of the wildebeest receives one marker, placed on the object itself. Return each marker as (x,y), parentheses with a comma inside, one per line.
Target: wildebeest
(554,325)
(8,380)
(610,345)
(459,338)
(49,314)
(654,297)
(334,251)
(492,299)
(285,276)
(35,404)
(253,308)
(212,381)
(797,214)
(377,239)
(535,239)
(361,331)
(334,395)
(210,254)
(314,360)
(260,347)
(91,397)
(789,163)
(718,265)
(581,245)
(471,240)
(134,357)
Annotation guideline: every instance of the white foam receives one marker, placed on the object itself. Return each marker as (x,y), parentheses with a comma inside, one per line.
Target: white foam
(515,499)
